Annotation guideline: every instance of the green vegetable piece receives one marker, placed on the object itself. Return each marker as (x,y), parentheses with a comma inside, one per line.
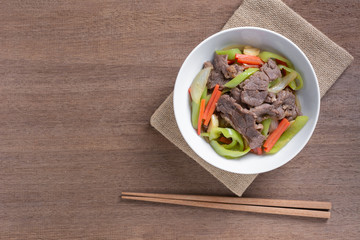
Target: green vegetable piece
(199,84)
(231,53)
(222,151)
(207,98)
(266,125)
(281,83)
(266,55)
(195,109)
(294,85)
(293,129)
(204,94)
(241,77)
(215,133)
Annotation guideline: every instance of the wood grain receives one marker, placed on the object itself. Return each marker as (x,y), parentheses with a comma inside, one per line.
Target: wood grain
(79,81)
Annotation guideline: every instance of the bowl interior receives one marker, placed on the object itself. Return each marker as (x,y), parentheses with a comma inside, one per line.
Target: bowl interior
(309,97)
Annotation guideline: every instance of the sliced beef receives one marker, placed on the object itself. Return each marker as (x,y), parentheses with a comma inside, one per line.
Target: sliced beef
(233,70)
(285,100)
(253,97)
(271,70)
(255,89)
(257,81)
(242,120)
(229,71)
(265,111)
(216,77)
(236,94)
(270,98)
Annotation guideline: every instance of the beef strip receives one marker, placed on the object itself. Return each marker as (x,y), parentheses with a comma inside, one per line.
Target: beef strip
(216,77)
(236,94)
(222,72)
(229,71)
(285,99)
(255,89)
(242,120)
(234,70)
(257,81)
(253,97)
(270,98)
(266,110)
(271,70)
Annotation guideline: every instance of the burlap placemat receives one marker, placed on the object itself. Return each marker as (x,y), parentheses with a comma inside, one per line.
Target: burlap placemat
(328,59)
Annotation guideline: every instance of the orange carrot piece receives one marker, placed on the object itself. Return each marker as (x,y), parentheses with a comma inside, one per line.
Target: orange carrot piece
(225,140)
(257,150)
(249,59)
(216,88)
(275,135)
(212,107)
(201,113)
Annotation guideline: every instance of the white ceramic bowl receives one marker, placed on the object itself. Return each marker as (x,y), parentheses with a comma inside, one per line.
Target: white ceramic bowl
(309,97)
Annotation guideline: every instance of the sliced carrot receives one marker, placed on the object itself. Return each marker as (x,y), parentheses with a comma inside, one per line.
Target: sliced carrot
(216,88)
(257,150)
(248,59)
(212,107)
(225,140)
(201,113)
(275,135)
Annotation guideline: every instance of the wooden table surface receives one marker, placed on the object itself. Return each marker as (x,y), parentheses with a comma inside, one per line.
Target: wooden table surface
(79,81)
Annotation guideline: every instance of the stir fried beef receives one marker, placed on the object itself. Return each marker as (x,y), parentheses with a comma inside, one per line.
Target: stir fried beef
(216,77)
(257,81)
(271,70)
(270,98)
(234,70)
(248,104)
(286,100)
(222,72)
(253,97)
(255,89)
(242,120)
(236,94)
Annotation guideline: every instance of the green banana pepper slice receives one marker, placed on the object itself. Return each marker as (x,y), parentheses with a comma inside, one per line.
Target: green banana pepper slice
(230,52)
(222,151)
(241,77)
(294,85)
(195,109)
(215,133)
(266,55)
(293,129)
(266,126)
(233,150)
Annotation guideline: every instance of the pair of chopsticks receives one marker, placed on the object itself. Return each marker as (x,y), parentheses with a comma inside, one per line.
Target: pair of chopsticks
(314,209)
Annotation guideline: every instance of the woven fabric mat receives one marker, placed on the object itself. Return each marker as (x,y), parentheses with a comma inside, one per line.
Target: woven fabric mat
(328,59)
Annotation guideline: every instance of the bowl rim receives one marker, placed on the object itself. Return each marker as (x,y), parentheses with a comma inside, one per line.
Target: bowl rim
(177,116)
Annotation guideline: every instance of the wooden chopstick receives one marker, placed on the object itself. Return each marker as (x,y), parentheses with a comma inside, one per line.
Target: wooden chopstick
(240,200)
(209,203)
